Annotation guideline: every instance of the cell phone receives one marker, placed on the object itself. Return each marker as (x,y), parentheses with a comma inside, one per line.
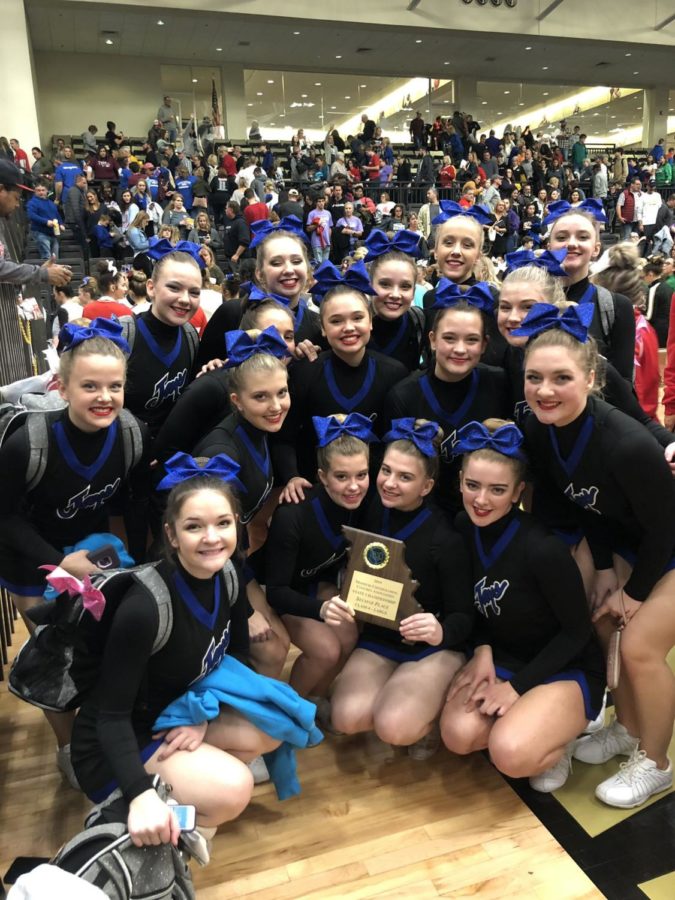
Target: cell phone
(186,817)
(105,557)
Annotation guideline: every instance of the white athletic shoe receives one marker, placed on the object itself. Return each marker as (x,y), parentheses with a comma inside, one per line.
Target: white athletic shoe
(636,781)
(64,763)
(426,747)
(197,843)
(555,777)
(259,770)
(598,723)
(601,746)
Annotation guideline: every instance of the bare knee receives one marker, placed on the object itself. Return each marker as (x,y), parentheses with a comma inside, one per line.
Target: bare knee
(398,727)
(350,715)
(228,794)
(511,754)
(460,733)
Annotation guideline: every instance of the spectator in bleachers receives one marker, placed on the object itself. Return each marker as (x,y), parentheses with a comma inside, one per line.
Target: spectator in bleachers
(319,228)
(20,156)
(350,226)
(216,274)
(66,173)
(166,116)
(203,232)
(113,138)
(176,214)
(128,209)
(417,131)
(629,208)
(113,286)
(136,233)
(89,140)
(68,307)
(108,237)
(45,222)
(256,210)
(74,210)
(42,167)
(236,235)
(103,166)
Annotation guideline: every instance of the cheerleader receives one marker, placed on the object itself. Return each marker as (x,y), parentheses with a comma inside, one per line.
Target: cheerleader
(460,387)
(395,682)
(258,383)
(535,678)
(577,230)
(306,547)
(458,246)
(397,326)
(60,471)
(114,746)
(347,378)
(596,457)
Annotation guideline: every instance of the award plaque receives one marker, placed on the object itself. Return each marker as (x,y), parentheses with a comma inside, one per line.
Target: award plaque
(378,584)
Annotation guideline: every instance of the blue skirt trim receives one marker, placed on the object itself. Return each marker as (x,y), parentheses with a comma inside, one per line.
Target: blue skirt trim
(23,590)
(100,795)
(568,537)
(396,655)
(630,556)
(566,675)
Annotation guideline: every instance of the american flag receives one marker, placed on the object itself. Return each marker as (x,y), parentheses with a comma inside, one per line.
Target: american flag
(215,110)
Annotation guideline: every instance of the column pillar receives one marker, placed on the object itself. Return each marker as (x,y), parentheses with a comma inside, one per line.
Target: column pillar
(466,96)
(17,83)
(654,115)
(234,102)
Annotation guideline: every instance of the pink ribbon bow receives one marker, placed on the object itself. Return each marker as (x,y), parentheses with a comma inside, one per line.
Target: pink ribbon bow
(92,599)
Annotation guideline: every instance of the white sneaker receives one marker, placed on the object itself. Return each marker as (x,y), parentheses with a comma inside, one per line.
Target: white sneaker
(555,777)
(64,763)
(323,715)
(198,843)
(636,781)
(259,770)
(426,747)
(598,723)
(600,747)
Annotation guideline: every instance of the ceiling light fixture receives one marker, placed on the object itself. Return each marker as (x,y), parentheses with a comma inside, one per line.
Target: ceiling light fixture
(159,22)
(544,68)
(270,81)
(636,73)
(528,48)
(296,32)
(219,49)
(195,81)
(484,102)
(317,84)
(363,85)
(338,57)
(507,92)
(109,42)
(259,93)
(447,62)
(304,96)
(418,41)
(628,54)
(348,98)
(545,94)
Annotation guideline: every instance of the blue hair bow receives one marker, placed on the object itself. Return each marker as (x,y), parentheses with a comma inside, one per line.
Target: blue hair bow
(421,436)
(160,247)
(507,440)
(256,295)
(404,241)
(71,335)
(575,320)
(447,294)
(450,209)
(329,429)
(551,260)
(182,466)
(560,207)
(240,346)
(328,276)
(264,227)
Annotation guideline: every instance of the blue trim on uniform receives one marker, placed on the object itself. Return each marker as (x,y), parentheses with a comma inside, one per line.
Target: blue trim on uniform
(22,590)
(630,556)
(566,675)
(569,537)
(349,404)
(102,793)
(396,655)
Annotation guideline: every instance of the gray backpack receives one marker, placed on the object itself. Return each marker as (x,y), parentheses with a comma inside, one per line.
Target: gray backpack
(607,312)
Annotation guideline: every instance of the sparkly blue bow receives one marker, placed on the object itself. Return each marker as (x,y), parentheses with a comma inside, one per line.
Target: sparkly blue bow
(328,276)
(182,466)
(551,260)
(421,436)
(575,320)
(404,241)
(450,209)
(507,440)
(329,429)
(264,227)
(160,247)
(71,335)
(256,295)
(240,346)
(447,294)
(561,207)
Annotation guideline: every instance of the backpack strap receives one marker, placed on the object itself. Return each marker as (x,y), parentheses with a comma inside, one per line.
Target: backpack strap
(607,311)
(128,324)
(417,315)
(231,580)
(192,337)
(132,440)
(152,581)
(38,449)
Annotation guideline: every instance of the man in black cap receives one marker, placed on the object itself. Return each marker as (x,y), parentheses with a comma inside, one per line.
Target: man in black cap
(11,185)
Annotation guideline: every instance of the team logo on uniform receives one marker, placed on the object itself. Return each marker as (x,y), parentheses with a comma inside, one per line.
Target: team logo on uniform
(214,653)
(521,411)
(87,499)
(448,446)
(486,597)
(585,498)
(309,573)
(167,389)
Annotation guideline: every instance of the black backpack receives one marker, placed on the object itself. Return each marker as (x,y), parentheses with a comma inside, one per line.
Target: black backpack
(60,662)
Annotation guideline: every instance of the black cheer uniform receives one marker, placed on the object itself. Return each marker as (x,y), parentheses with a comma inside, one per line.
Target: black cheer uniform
(481,395)
(247,446)
(531,606)
(84,471)
(400,338)
(112,734)
(619,345)
(305,546)
(323,388)
(158,370)
(437,559)
(619,482)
